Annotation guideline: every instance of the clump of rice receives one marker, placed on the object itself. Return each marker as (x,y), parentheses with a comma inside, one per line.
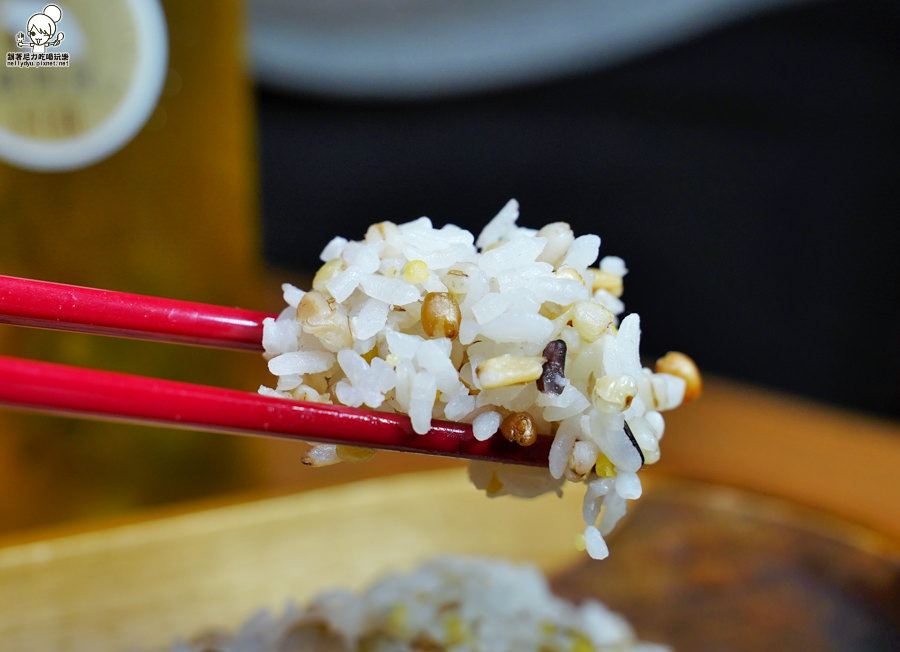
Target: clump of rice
(449,603)
(434,323)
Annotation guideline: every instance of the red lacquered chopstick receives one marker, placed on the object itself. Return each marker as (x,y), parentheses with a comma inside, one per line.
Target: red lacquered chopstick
(25,302)
(60,389)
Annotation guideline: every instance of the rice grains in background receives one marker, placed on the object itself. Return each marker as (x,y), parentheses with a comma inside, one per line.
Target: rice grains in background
(449,603)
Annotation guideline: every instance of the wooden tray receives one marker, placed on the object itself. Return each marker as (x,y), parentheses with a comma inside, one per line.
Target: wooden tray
(700,567)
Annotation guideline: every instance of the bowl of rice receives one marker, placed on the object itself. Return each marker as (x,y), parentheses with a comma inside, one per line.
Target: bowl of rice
(421,561)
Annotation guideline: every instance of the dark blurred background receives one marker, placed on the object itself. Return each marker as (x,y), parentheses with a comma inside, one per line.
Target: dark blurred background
(744,166)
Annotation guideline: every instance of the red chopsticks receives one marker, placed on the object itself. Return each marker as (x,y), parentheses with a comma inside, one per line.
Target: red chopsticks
(61,389)
(40,304)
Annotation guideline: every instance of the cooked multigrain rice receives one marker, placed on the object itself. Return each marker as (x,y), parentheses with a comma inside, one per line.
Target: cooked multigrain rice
(514,332)
(456,604)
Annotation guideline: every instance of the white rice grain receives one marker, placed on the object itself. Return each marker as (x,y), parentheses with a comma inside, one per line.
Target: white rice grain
(280,336)
(301,362)
(390,290)
(333,249)
(459,407)
(562,445)
(423,389)
(518,327)
(510,255)
(368,318)
(292,295)
(628,485)
(613,265)
(342,284)
(485,425)
(583,252)
(500,225)
(596,546)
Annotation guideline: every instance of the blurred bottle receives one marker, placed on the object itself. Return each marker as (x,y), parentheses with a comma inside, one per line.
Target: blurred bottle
(172,213)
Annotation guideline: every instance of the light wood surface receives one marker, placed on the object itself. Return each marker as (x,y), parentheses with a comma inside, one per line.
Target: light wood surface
(140,585)
(832,459)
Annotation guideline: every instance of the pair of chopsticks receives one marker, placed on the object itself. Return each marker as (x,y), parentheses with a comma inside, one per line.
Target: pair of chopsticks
(88,393)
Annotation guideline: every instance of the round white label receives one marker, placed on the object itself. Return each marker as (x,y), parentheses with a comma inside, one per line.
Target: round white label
(80,78)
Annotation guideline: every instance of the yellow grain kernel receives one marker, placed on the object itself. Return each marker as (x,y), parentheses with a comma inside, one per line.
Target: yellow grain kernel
(604,467)
(354,453)
(455,629)
(306,393)
(580,543)
(507,369)
(327,272)
(319,316)
(613,393)
(397,619)
(607,281)
(570,273)
(681,365)
(581,644)
(380,231)
(591,320)
(494,486)
(552,310)
(415,271)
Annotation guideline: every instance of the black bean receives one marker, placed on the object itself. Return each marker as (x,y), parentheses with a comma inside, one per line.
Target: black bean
(554,368)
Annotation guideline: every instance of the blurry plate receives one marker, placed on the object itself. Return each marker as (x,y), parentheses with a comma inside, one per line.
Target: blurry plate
(421,48)
(697,566)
